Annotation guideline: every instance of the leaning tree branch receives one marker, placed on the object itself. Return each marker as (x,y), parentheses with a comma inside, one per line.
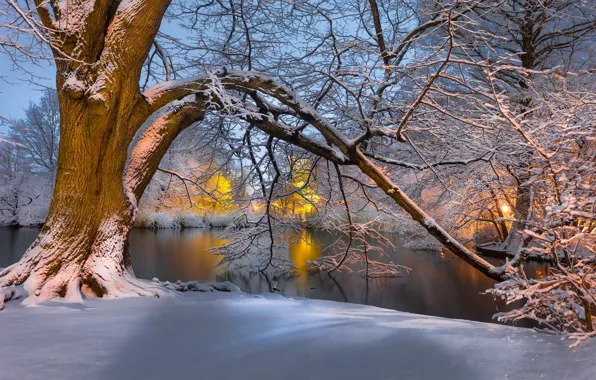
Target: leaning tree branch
(218,87)
(154,142)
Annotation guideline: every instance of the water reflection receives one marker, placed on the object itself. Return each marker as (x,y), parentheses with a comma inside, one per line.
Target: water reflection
(302,250)
(439,284)
(174,254)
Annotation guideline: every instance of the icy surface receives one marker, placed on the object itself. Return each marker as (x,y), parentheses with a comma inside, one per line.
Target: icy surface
(240,336)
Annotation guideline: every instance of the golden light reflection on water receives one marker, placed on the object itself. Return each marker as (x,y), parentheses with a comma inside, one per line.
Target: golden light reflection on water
(303,249)
(172,255)
(195,257)
(187,255)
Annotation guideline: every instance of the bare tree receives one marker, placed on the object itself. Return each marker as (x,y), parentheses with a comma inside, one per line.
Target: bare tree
(12,158)
(39,132)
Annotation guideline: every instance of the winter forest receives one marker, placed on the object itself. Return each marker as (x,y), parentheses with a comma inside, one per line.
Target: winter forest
(434,154)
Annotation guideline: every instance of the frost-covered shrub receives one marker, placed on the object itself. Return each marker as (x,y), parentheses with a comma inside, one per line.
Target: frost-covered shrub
(25,199)
(167,219)
(156,220)
(190,220)
(563,299)
(223,221)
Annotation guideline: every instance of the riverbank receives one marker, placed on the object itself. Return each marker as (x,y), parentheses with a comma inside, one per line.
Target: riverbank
(413,236)
(241,336)
(153,220)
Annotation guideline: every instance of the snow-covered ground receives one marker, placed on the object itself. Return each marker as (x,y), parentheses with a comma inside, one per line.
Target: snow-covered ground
(240,336)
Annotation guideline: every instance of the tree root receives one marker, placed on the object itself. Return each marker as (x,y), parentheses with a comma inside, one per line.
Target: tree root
(10,293)
(50,271)
(82,286)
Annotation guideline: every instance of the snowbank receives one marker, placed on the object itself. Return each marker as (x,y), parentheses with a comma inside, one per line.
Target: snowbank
(177,220)
(164,220)
(240,336)
(195,286)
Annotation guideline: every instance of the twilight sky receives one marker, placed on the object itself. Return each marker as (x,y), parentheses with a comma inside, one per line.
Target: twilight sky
(16,89)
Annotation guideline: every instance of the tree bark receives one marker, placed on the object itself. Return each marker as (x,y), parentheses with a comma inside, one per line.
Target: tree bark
(90,215)
(515,240)
(82,248)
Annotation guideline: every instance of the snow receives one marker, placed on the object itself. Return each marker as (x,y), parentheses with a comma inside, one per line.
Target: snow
(25,199)
(239,336)
(74,85)
(164,220)
(155,92)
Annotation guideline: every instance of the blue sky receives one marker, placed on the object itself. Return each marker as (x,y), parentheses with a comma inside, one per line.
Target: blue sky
(17,89)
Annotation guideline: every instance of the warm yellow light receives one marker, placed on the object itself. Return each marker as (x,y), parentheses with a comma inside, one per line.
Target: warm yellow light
(505,209)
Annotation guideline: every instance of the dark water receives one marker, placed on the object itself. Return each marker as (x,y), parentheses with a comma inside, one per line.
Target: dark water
(439,284)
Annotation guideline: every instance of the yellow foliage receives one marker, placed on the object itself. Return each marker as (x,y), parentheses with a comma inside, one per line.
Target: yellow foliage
(213,196)
(216,197)
(304,198)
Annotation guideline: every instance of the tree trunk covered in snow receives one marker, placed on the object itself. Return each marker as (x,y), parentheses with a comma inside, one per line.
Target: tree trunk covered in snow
(90,215)
(83,244)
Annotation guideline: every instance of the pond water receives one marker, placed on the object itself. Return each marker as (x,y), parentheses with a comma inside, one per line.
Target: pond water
(439,284)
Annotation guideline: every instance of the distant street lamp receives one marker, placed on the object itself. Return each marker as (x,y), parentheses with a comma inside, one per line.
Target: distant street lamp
(506,209)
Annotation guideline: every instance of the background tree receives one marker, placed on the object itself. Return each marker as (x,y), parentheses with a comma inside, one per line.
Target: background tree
(28,162)
(543,35)
(562,226)
(13,166)
(39,132)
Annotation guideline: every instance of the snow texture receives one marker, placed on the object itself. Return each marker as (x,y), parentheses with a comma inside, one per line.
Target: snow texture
(25,200)
(159,220)
(239,336)
(195,286)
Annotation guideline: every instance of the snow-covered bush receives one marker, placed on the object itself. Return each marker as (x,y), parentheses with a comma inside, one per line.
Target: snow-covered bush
(167,219)
(25,199)
(561,223)
(221,221)
(563,299)
(191,220)
(156,220)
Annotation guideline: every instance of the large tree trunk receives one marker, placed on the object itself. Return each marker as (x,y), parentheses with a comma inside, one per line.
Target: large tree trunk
(82,249)
(83,242)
